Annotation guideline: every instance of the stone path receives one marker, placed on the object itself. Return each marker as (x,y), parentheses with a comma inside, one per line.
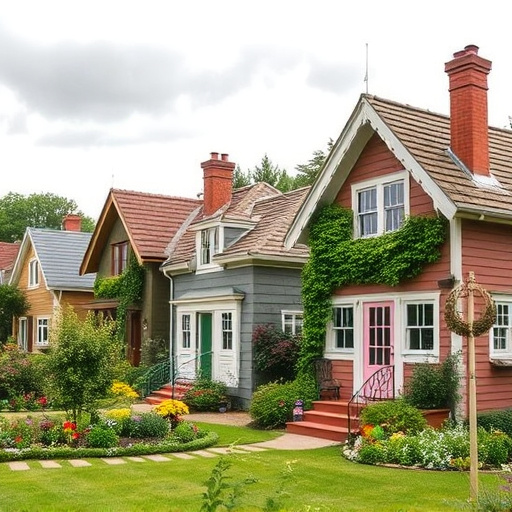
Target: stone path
(115,461)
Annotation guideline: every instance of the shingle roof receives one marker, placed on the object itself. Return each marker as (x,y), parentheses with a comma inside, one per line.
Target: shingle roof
(8,252)
(426,135)
(150,220)
(60,254)
(268,210)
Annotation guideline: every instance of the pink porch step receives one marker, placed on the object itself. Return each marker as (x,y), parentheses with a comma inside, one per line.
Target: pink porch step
(327,420)
(165,392)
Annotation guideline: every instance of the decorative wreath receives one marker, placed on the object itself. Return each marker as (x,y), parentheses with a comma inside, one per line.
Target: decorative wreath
(453,318)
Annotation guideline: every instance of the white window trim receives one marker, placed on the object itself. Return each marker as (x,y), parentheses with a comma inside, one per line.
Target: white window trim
(294,314)
(332,330)
(502,355)
(209,267)
(379,183)
(38,342)
(33,277)
(333,352)
(417,356)
(23,343)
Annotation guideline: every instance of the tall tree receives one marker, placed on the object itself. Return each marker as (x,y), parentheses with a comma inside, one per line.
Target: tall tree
(307,173)
(241,179)
(267,172)
(17,212)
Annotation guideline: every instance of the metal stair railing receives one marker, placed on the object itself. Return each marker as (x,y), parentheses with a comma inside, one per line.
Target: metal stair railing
(379,386)
(154,378)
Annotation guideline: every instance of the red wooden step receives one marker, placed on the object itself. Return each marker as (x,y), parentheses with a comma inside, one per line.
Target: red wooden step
(309,428)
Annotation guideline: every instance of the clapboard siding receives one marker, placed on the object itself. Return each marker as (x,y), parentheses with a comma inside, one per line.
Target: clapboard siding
(267,290)
(344,372)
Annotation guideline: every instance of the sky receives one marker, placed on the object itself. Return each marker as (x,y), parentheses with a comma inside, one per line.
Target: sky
(135,95)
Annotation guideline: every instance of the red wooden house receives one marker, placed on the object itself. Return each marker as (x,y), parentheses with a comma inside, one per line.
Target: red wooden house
(392,161)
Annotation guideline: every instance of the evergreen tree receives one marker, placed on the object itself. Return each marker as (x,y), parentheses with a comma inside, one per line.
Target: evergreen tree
(240,179)
(307,173)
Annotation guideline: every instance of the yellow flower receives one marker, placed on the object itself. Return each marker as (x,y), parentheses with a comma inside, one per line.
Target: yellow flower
(171,408)
(122,389)
(118,414)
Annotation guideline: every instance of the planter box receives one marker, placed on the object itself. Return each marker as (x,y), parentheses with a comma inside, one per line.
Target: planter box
(436,417)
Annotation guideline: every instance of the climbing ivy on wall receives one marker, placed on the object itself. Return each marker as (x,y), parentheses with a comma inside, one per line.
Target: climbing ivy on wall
(127,288)
(337,260)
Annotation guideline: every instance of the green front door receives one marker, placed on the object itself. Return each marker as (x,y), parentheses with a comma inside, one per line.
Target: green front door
(205,329)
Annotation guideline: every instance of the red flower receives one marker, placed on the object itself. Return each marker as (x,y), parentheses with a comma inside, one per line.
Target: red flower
(75,435)
(43,401)
(18,439)
(69,426)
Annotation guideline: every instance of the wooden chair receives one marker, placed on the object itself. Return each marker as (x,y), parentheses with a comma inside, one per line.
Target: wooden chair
(324,378)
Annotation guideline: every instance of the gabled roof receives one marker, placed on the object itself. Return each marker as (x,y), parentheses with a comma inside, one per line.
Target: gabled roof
(59,254)
(265,212)
(150,220)
(420,139)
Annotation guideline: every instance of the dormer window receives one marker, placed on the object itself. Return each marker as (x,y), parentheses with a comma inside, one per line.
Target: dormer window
(119,258)
(209,245)
(381,205)
(33,273)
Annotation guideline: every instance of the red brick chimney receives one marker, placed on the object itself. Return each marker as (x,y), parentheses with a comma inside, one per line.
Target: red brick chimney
(469,130)
(218,182)
(72,222)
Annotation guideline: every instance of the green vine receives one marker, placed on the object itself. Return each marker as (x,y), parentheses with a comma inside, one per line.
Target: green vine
(127,288)
(337,260)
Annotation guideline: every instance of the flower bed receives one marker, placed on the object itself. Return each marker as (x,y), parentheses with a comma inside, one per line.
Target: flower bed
(117,432)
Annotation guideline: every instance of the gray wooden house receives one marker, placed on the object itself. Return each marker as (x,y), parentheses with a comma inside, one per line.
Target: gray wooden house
(229,273)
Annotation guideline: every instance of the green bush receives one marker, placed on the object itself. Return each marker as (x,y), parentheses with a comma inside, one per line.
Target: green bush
(275,353)
(372,453)
(434,386)
(101,436)
(185,432)
(393,416)
(494,448)
(148,424)
(272,403)
(496,420)
(206,395)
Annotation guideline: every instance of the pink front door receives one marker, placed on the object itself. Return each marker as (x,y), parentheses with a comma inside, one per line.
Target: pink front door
(378,342)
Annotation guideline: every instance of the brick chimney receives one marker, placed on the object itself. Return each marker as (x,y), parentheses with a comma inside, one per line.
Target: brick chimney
(469,130)
(218,182)
(72,222)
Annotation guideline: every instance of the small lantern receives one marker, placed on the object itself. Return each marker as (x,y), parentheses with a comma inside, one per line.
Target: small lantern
(298,410)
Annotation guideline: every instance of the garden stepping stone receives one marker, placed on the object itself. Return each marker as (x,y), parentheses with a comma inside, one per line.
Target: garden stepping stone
(114,461)
(136,459)
(157,458)
(204,453)
(19,466)
(49,464)
(182,455)
(224,450)
(79,463)
(250,448)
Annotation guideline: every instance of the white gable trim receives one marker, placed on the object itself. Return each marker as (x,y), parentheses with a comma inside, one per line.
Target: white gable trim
(363,123)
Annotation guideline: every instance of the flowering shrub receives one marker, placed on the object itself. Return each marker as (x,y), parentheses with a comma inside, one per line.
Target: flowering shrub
(206,395)
(443,449)
(123,390)
(172,410)
(275,352)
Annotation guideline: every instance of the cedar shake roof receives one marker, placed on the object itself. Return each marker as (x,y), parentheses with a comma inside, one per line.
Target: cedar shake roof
(150,220)
(269,211)
(426,136)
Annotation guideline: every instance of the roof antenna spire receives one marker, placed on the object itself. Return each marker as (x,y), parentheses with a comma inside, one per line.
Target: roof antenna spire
(366,74)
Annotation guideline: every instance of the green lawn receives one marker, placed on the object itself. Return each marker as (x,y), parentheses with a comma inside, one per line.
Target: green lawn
(320,479)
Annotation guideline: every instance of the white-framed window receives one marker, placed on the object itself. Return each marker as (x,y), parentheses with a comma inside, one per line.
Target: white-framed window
(380,205)
(343,327)
(291,322)
(419,326)
(227,331)
(42,326)
(209,245)
(185,331)
(23,333)
(33,273)
(501,332)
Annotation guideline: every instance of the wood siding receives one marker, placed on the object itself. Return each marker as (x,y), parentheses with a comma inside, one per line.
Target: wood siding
(344,372)
(267,291)
(487,250)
